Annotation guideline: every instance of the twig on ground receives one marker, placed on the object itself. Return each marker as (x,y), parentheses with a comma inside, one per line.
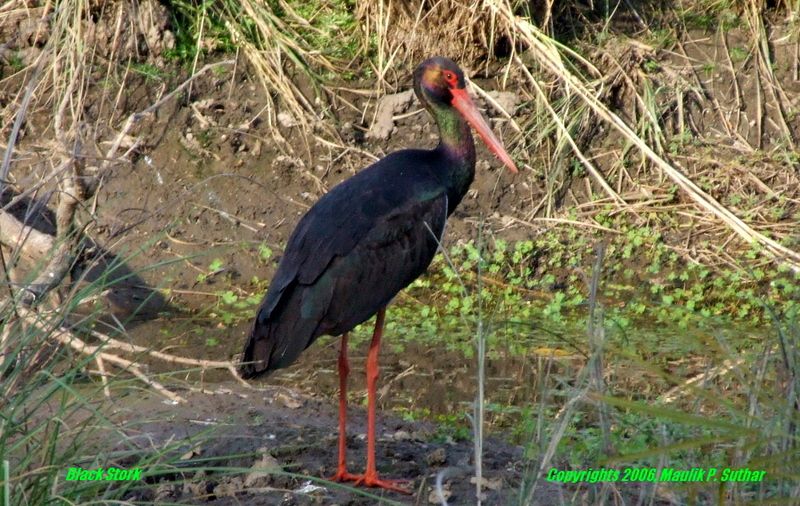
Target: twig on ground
(68,338)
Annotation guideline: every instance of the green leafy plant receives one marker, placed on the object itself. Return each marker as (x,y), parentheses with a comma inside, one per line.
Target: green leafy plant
(215,267)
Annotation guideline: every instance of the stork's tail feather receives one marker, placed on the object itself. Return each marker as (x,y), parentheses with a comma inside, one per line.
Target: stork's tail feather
(277,338)
(256,352)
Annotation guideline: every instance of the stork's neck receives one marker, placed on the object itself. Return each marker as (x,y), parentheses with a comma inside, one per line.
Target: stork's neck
(458,147)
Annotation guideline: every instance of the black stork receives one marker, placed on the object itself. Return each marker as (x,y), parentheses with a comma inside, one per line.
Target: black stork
(364,241)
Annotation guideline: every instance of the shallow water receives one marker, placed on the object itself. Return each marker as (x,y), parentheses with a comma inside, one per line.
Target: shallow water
(418,378)
(433,377)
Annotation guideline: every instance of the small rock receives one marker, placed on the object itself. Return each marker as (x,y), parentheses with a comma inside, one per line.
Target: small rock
(388,106)
(437,457)
(198,488)
(286,120)
(167,493)
(208,103)
(262,477)
(347,131)
(491,484)
(433,497)
(288,401)
(287,162)
(506,99)
(402,435)
(229,486)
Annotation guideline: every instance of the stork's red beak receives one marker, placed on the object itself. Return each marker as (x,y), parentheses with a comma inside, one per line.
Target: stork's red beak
(464,104)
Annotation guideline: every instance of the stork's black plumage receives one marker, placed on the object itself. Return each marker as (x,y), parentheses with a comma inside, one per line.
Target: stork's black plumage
(360,244)
(368,238)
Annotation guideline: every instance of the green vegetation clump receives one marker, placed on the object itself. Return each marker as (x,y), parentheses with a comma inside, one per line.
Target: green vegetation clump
(213,27)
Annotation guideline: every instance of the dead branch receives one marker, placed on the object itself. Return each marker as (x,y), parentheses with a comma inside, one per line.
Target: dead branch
(110,342)
(28,241)
(66,240)
(66,337)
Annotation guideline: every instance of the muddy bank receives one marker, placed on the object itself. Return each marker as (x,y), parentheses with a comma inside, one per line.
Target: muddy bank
(232,444)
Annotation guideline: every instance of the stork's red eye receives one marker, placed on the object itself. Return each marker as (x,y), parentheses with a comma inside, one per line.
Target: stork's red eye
(450,77)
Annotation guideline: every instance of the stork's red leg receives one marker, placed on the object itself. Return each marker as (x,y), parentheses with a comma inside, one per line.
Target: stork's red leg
(370,477)
(344,370)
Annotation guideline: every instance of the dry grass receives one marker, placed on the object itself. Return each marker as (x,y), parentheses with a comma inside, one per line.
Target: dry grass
(276,52)
(409,32)
(59,77)
(657,116)
(653,115)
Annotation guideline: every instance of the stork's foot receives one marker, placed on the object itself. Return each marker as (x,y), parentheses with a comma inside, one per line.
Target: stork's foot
(370,480)
(342,475)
